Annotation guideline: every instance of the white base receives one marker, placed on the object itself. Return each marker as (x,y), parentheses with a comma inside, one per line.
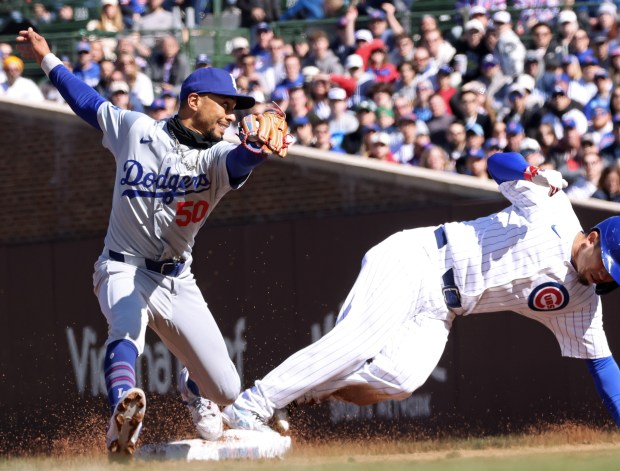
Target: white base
(234,444)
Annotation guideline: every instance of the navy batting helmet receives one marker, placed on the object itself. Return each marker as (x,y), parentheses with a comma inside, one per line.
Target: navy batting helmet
(609,231)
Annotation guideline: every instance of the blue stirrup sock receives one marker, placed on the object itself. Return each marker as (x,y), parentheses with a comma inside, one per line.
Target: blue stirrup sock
(119,369)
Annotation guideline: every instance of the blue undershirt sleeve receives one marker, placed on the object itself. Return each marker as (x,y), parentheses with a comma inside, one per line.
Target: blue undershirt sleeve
(606,376)
(506,166)
(82,98)
(240,162)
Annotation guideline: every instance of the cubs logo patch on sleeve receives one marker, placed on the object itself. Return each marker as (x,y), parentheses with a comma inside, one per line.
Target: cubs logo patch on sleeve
(549,296)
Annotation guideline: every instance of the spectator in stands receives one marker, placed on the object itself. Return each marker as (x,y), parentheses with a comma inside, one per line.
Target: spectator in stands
(403,50)
(119,97)
(86,68)
(422,141)
(440,50)
(603,92)
(42,15)
(423,65)
(130,44)
(509,50)
(171,100)
(495,81)
(568,24)
(65,13)
(586,184)
(254,79)
(403,148)
(386,122)
(402,105)
(547,138)
(474,137)
(106,68)
(436,158)
(609,184)
(16,86)
(405,84)
(611,152)
(556,107)
(498,132)
(304,10)
(139,83)
(356,81)
(567,156)
(476,164)
(240,47)
(424,90)
(456,145)
(472,48)
(380,147)
(157,109)
(302,131)
(514,136)
(156,24)
(440,120)
(601,125)
(614,102)
(590,67)
(469,110)
(384,25)
(321,55)
(254,12)
(301,48)
(516,108)
(606,21)
(298,103)
(530,150)
(272,69)
(319,87)
(132,10)
(380,67)
(600,48)
(293,76)
(49,91)
(580,45)
(260,50)
(203,61)
(322,136)
(111,21)
(168,67)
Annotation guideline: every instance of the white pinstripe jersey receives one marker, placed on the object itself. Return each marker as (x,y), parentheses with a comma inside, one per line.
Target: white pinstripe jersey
(519,260)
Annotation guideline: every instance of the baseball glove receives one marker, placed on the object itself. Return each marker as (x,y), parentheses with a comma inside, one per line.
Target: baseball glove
(266,133)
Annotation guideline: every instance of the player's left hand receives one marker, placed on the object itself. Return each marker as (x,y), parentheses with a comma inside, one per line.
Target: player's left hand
(552,179)
(32,45)
(266,133)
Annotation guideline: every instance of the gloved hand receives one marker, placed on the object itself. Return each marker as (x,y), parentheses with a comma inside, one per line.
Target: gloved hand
(548,178)
(266,133)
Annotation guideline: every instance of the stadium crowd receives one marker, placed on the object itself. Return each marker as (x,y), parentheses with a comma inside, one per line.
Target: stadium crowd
(441,100)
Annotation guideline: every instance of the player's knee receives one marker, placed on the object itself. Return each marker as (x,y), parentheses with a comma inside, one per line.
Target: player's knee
(227,393)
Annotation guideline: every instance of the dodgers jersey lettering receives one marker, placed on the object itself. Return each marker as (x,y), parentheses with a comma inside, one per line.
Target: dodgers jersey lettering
(169,188)
(512,261)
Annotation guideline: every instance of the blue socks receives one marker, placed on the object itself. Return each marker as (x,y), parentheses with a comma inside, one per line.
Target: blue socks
(119,369)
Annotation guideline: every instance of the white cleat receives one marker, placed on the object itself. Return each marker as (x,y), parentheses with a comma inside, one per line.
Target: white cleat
(236,417)
(206,414)
(126,423)
(281,422)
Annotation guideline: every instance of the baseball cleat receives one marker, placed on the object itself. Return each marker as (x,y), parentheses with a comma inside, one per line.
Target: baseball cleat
(236,417)
(280,421)
(126,423)
(205,414)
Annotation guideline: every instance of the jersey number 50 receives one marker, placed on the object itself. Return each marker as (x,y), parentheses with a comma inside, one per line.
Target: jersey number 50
(191,211)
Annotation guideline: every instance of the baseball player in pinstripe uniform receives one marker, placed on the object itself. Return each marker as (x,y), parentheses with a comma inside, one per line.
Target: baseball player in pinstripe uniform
(170,174)
(532,258)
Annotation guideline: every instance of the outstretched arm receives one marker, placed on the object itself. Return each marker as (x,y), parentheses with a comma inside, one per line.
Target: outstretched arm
(510,166)
(82,99)
(606,376)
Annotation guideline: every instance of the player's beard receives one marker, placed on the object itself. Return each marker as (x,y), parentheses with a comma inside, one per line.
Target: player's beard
(211,135)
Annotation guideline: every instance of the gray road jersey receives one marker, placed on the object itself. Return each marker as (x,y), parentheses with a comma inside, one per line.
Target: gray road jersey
(163,192)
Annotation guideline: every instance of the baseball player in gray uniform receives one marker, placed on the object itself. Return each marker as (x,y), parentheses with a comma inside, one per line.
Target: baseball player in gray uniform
(532,258)
(170,175)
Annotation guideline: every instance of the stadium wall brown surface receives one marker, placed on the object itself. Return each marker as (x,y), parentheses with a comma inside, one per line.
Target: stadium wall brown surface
(275,261)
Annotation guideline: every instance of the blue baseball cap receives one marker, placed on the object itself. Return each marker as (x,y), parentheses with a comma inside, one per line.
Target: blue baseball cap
(279,94)
(299,121)
(203,59)
(216,81)
(158,104)
(609,231)
(514,127)
(475,128)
